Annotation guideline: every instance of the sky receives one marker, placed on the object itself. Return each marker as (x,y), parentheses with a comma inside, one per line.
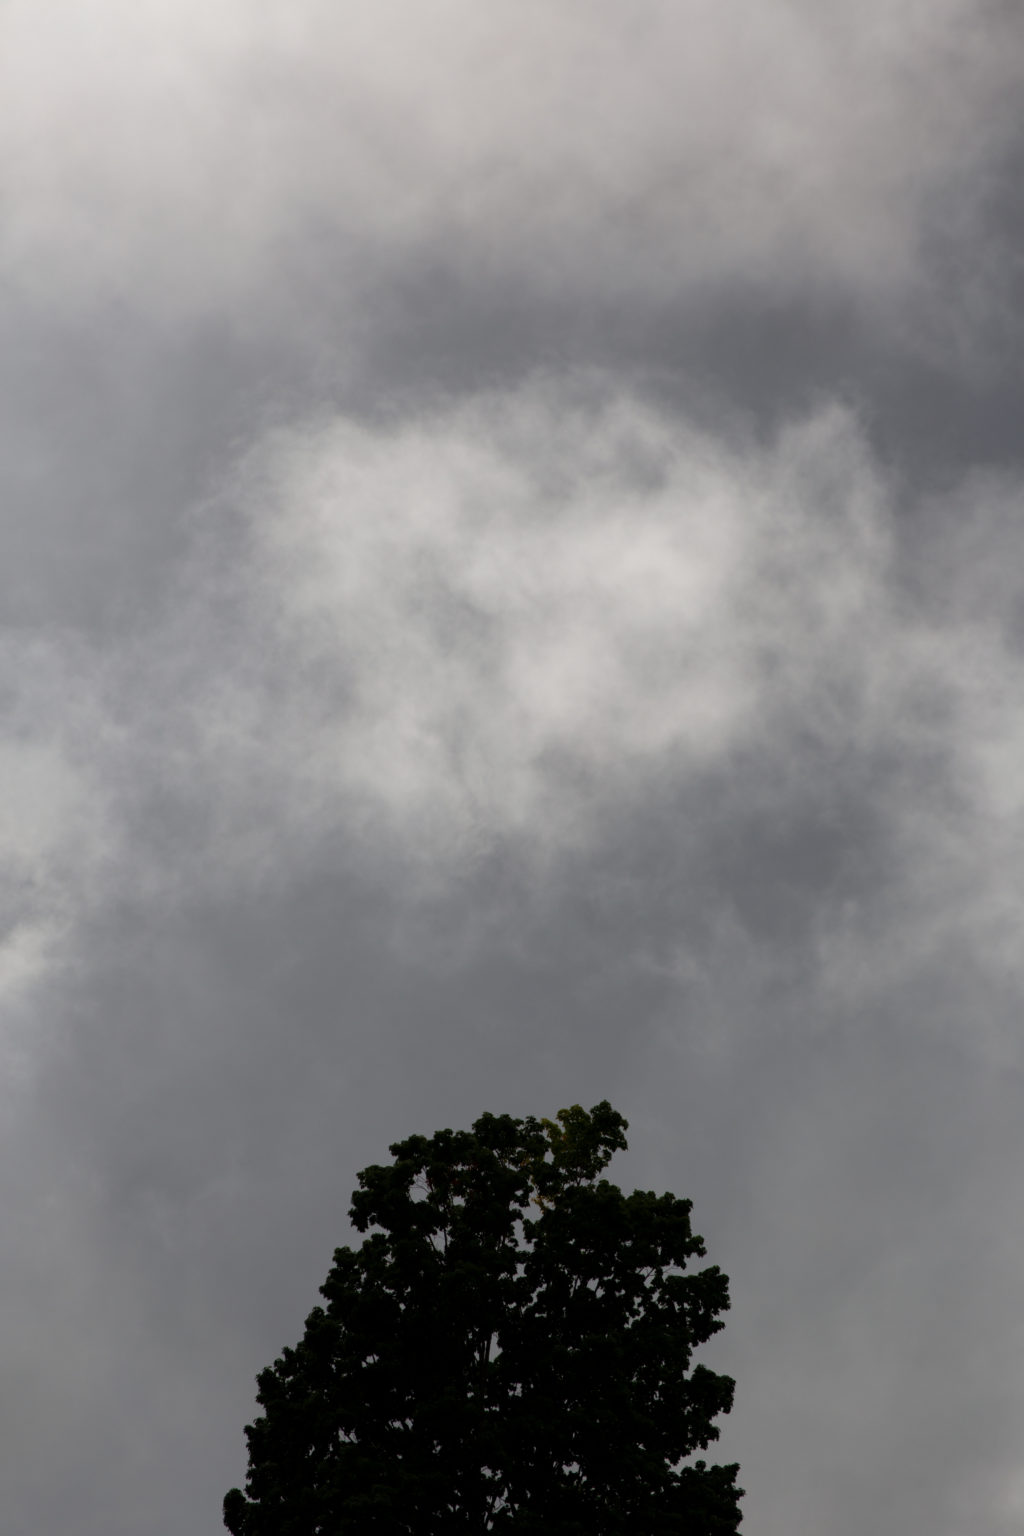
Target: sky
(512,519)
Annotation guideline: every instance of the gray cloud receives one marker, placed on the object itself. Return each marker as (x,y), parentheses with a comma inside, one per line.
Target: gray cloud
(511,533)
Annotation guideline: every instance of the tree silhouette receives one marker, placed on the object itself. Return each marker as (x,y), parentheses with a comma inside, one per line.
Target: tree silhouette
(509,1351)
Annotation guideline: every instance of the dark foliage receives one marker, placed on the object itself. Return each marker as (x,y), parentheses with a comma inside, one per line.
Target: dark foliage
(509,1350)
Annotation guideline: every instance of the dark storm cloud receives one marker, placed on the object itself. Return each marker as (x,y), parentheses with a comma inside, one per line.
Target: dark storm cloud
(511,524)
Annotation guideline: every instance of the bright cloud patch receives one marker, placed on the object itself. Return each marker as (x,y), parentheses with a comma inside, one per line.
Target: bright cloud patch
(198,156)
(502,623)
(513,618)
(496,617)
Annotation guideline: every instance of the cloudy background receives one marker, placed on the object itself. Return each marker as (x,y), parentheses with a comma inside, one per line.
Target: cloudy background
(511,595)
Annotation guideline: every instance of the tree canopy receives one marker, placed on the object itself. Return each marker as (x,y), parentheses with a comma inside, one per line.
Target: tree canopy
(509,1350)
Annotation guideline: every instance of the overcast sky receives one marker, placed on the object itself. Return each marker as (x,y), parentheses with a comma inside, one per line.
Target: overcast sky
(512,594)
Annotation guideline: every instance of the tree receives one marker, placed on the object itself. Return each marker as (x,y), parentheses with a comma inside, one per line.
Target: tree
(509,1351)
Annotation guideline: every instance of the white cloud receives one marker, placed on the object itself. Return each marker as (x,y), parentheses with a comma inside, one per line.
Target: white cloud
(190,157)
(525,594)
(511,620)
